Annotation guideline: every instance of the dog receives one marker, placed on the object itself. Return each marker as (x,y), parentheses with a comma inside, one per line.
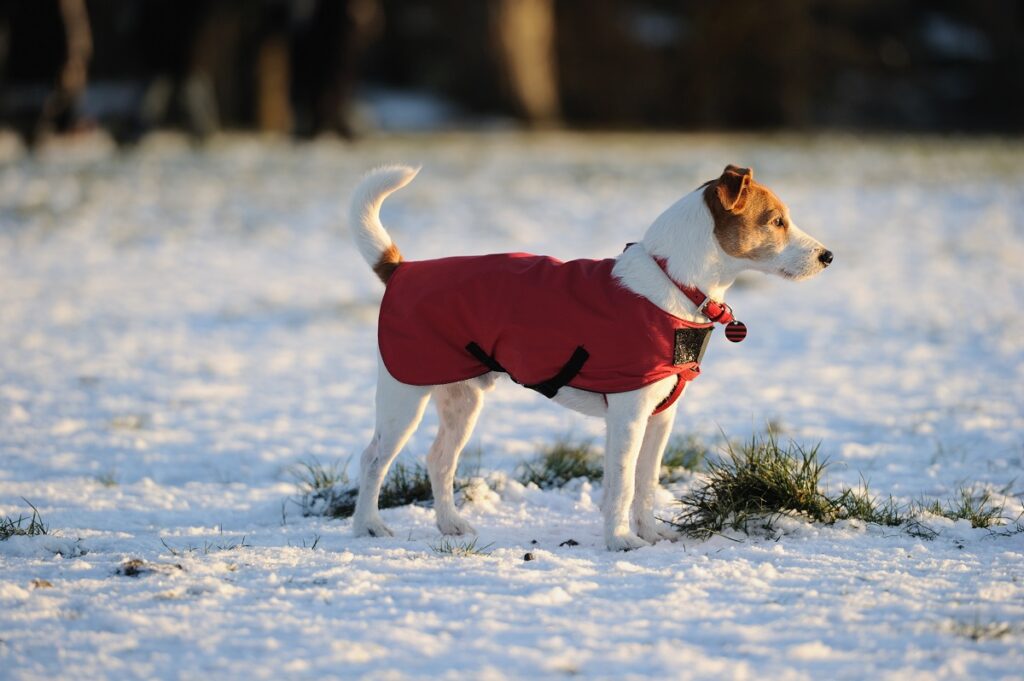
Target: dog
(617,339)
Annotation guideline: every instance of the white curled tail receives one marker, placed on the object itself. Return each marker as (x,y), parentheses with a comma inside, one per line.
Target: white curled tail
(372,239)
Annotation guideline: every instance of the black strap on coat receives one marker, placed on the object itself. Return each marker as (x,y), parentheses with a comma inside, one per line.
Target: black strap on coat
(548,388)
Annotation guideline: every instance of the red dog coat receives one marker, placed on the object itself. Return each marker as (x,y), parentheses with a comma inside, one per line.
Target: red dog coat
(547,323)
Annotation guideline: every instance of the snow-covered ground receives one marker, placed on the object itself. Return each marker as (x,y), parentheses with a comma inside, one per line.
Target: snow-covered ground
(179,327)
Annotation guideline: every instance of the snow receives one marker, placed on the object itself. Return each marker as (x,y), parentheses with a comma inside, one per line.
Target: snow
(181,326)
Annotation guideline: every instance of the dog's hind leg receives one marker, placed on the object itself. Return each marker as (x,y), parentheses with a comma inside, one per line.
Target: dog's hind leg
(399,410)
(648,470)
(458,405)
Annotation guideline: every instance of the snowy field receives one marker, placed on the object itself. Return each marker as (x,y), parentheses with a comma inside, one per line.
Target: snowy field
(180,327)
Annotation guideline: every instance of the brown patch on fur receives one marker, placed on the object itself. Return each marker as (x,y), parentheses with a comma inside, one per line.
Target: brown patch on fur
(387,263)
(744,212)
(731,187)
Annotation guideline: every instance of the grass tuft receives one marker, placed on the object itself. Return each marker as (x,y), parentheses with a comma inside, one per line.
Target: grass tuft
(682,454)
(406,485)
(207,548)
(860,504)
(461,549)
(757,481)
(313,476)
(560,463)
(326,490)
(977,508)
(23,525)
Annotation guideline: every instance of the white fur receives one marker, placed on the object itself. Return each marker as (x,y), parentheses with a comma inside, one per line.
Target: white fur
(635,442)
(685,236)
(799,259)
(364,215)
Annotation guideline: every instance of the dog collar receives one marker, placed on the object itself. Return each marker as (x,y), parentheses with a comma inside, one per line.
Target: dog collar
(717,312)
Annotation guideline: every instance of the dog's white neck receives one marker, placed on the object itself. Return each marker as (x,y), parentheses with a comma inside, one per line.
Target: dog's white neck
(684,237)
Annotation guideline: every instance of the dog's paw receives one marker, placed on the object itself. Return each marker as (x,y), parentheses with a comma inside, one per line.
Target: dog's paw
(625,541)
(373,527)
(454,524)
(655,532)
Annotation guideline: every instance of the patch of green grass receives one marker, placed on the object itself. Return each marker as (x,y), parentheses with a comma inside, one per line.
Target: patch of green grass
(978,508)
(23,525)
(759,481)
(860,504)
(560,463)
(685,453)
(314,477)
(326,490)
(453,547)
(755,482)
(406,485)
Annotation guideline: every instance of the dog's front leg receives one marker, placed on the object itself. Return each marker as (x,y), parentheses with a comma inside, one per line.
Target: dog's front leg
(648,472)
(626,422)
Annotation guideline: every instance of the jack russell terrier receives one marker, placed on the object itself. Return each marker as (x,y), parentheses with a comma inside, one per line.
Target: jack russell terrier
(617,338)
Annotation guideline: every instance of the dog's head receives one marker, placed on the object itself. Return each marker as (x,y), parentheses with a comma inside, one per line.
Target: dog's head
(753,225)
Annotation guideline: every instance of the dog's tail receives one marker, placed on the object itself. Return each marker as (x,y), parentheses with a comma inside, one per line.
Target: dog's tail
(373,241)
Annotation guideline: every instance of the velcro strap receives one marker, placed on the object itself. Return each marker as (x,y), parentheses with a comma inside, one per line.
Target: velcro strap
(485,359)
(550,387)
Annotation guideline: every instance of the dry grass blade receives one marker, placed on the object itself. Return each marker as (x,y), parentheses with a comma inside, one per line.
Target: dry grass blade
(24,525)
(452,547)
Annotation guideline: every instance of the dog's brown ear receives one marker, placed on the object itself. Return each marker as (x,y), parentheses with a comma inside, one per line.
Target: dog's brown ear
(732,187)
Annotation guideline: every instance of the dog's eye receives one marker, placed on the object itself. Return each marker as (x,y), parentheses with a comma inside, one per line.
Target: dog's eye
(779,222)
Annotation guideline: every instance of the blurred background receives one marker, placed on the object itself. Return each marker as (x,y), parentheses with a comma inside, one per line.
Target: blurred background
(351,67)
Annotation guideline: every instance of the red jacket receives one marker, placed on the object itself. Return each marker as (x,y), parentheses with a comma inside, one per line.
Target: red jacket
(547,323)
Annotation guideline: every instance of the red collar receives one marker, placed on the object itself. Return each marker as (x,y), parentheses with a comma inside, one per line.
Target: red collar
(714,310)
(717,312)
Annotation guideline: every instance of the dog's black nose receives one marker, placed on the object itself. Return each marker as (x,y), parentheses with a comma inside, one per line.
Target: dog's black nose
(825,257)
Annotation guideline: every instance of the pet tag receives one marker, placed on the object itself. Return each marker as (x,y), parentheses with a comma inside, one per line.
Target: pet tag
(735,331)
